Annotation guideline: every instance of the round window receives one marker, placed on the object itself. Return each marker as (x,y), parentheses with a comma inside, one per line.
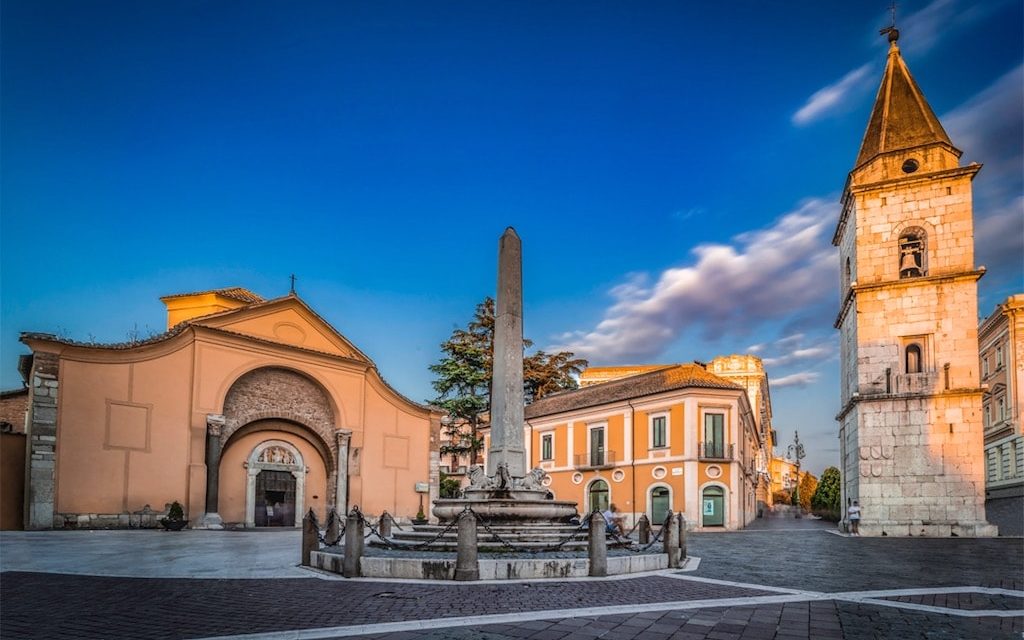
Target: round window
(659,472)
(577,478)
(618,475)
(714,471)
(910,166)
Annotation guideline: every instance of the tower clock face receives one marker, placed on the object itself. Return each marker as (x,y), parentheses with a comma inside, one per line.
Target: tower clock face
(910,166)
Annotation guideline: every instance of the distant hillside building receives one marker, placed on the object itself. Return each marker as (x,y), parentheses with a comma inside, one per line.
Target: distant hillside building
(658,437)
(1001,343)
(247,411)
(910,423)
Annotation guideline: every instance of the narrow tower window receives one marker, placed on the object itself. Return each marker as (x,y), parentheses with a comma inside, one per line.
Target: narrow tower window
(913,358)
(912,254)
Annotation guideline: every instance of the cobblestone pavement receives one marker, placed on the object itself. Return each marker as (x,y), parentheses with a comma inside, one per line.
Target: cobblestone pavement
(777,580)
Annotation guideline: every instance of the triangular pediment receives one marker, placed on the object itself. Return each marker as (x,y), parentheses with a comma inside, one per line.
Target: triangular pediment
(287,321)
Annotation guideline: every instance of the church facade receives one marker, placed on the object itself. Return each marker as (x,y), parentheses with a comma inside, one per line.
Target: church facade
(910,423)
(247,411)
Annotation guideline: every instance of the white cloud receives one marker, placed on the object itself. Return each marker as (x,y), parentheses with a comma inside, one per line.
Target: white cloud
(800,379)
(809,353)
(919,33)
(922,30)
(830,98)
(730,289)
(989,128)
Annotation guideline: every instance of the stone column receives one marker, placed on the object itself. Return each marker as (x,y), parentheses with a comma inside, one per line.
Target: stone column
(507,381)
(40,467)
(467,566)
(214,427)
(597,546)
(344,438)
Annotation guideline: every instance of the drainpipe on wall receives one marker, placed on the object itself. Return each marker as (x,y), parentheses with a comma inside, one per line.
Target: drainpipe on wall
(632,457)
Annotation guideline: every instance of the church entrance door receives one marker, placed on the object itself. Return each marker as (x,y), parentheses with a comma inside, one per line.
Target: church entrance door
(275,499)
(275,491)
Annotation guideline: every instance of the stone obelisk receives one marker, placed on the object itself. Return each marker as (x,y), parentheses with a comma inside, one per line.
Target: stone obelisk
(507,381)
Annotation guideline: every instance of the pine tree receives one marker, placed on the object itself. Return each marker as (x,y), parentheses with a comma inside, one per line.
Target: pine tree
(463,381)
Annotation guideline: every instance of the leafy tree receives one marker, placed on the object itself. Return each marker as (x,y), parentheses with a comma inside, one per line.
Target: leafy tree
(808,484)
(827,497)
(545,373)
(463,381)
(450,487)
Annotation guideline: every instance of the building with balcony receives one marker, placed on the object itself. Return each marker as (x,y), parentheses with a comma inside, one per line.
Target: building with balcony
(651,439)
(1001,353)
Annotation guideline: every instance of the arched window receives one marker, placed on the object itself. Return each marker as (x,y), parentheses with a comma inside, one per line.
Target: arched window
(660,503)
(913,358)
(913,254)
(597,496)
(848,274)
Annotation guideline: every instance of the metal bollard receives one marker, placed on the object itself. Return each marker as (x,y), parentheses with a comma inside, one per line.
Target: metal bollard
(352,566)
(644,527)
(682,537)
(670,538)
(597,546)
(310,538)
(384,524)
(466,565)
(333,535)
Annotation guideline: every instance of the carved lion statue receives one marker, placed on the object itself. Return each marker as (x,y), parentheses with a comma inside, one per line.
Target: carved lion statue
(532,480)
(478,478)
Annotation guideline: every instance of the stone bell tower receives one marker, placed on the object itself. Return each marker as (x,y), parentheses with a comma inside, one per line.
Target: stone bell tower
(910,426)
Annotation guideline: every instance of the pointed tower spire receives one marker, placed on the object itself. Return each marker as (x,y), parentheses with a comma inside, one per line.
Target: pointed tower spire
(901,117)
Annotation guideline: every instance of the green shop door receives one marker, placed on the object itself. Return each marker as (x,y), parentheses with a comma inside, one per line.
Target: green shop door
(659,505)
(713,507)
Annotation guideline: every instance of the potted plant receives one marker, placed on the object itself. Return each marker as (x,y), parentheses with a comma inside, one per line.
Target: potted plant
(175,520)
(421,518)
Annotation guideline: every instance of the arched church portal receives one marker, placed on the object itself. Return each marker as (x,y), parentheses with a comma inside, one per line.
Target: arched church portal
(276,486)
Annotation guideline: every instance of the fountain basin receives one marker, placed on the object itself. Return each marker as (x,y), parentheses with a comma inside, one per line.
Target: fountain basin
(507,510)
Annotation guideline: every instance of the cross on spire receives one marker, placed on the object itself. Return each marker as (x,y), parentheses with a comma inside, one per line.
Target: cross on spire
(891,30)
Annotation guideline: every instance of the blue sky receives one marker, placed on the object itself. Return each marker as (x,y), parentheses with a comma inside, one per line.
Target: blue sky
(673,168)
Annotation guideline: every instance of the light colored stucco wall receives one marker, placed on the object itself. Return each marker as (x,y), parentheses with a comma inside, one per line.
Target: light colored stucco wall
(132,422)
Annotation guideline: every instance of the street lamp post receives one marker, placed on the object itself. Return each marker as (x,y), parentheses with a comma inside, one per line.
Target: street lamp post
(796,452)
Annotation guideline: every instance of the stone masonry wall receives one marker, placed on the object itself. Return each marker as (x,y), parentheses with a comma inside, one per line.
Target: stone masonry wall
(280,393)
(919,468)
(42,442)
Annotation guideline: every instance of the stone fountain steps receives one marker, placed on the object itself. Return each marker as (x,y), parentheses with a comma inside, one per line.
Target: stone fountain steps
(523,537)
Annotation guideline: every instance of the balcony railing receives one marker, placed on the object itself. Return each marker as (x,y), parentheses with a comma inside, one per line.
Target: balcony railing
(595,460)
(715,451)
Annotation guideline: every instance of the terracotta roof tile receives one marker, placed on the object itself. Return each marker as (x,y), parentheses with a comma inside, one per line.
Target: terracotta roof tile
(235,293)
(669,378)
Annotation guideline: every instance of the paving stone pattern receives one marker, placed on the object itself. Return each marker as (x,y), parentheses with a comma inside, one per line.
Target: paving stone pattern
(820,561)
(967,601)
(795,555)
(818,620)
(97,607)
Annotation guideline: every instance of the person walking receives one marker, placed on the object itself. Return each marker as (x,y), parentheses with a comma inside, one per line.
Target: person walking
(853,513)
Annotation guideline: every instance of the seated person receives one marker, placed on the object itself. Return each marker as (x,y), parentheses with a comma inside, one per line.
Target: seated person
(613,521)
